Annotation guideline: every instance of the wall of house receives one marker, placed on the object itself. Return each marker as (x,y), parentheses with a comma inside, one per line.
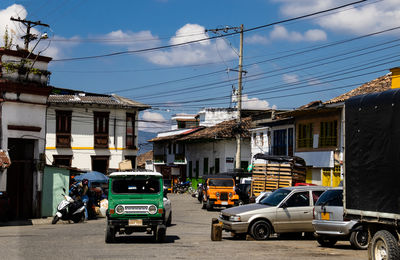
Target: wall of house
(82,142)
(211,117)
(225,150)
(24,114)
(258,145)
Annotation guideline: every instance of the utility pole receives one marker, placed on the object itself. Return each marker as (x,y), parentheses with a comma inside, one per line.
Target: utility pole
(239,93)
(239,104)
(28,37)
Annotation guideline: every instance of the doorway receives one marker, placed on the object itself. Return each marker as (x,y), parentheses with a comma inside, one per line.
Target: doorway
(20,177)
(100,164)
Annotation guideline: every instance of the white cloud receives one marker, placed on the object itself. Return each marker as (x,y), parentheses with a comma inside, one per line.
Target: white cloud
(200,52)
(254,103)
(281,33)
(12,26)
(140,39)
(153,122)
(256,39)
(290,78)
(363,19)
(55,47)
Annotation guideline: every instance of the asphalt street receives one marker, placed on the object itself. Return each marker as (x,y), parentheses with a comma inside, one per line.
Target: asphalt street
(187,238)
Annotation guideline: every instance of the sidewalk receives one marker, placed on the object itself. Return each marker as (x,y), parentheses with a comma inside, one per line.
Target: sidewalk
(25,222)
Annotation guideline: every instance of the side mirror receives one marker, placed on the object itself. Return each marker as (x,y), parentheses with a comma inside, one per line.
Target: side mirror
(64,190)
(165,192)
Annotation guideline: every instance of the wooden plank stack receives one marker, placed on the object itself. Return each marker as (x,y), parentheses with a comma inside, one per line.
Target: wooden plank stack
(271,176)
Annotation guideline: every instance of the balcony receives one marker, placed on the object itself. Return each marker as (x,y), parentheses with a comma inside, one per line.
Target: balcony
(180,159)
(159,159)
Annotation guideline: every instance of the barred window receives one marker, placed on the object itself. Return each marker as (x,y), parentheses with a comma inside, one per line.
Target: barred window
(305,136)
(328,134)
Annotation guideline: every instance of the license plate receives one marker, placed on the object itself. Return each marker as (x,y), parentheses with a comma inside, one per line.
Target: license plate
(135,222)
(324,216)
(224,203)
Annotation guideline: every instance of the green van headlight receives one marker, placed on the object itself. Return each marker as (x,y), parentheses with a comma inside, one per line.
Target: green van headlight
(119,209)
(152,209)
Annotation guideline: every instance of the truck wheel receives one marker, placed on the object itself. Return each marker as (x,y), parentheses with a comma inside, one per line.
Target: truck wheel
(209,206)
(169,220)
(261,230)
(159,234)
(55,220)
(326,241)
(384,246)
(359,239)
(110,234)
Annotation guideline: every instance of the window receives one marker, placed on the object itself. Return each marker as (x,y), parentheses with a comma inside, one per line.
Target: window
(190,169)
(305,136)
(244,165)
(290,141)
(316,194)
(279,147)
(205,166)
(197,169)
(63,128)
(332,197)
(328,134)
(255,139)
(101,120)
(299,199)
(216,165)
(62,160)
(181,124)
(261,139)
(130,130)
(135,186)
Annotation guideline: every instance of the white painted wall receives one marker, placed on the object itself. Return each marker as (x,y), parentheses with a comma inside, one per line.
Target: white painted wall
(213,116)
(24,114)
(219,149)
(82,141)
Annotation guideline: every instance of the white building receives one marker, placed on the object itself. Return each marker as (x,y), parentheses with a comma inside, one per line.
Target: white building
(91,132)
(24,92)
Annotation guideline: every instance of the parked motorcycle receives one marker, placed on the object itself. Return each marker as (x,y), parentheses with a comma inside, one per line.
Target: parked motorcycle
(182,187)
(69,209)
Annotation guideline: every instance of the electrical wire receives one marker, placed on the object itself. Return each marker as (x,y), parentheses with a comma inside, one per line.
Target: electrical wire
(205,39)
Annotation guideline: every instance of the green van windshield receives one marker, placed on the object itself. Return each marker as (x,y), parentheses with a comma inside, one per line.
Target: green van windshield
(135,186)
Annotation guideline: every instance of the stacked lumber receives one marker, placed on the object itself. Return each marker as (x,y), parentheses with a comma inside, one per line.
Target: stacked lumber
(271,176)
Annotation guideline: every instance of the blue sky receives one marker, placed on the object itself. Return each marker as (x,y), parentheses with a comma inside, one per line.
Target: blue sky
(288,65)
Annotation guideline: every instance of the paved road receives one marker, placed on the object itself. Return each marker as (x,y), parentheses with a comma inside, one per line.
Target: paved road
(188,238)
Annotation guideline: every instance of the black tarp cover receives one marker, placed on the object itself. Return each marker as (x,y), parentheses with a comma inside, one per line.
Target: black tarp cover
(372,152)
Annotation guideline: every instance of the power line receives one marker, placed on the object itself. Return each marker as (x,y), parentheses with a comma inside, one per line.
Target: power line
(205,39)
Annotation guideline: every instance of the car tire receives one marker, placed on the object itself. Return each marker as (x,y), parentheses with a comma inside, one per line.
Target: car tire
(261,230)
(110,235)
(384,246)
(326,241)
(159,234)
(55,220)
(208,205)
(169,220)
(359,239)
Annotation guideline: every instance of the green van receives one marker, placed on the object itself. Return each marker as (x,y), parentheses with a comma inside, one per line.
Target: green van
(137,203)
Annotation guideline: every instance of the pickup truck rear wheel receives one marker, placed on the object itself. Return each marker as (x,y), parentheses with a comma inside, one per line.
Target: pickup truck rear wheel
(359,239)
(326,241)
(261,230)
(384,246)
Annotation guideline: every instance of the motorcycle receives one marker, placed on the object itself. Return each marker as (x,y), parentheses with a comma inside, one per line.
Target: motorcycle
(182,187)
(69,209)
